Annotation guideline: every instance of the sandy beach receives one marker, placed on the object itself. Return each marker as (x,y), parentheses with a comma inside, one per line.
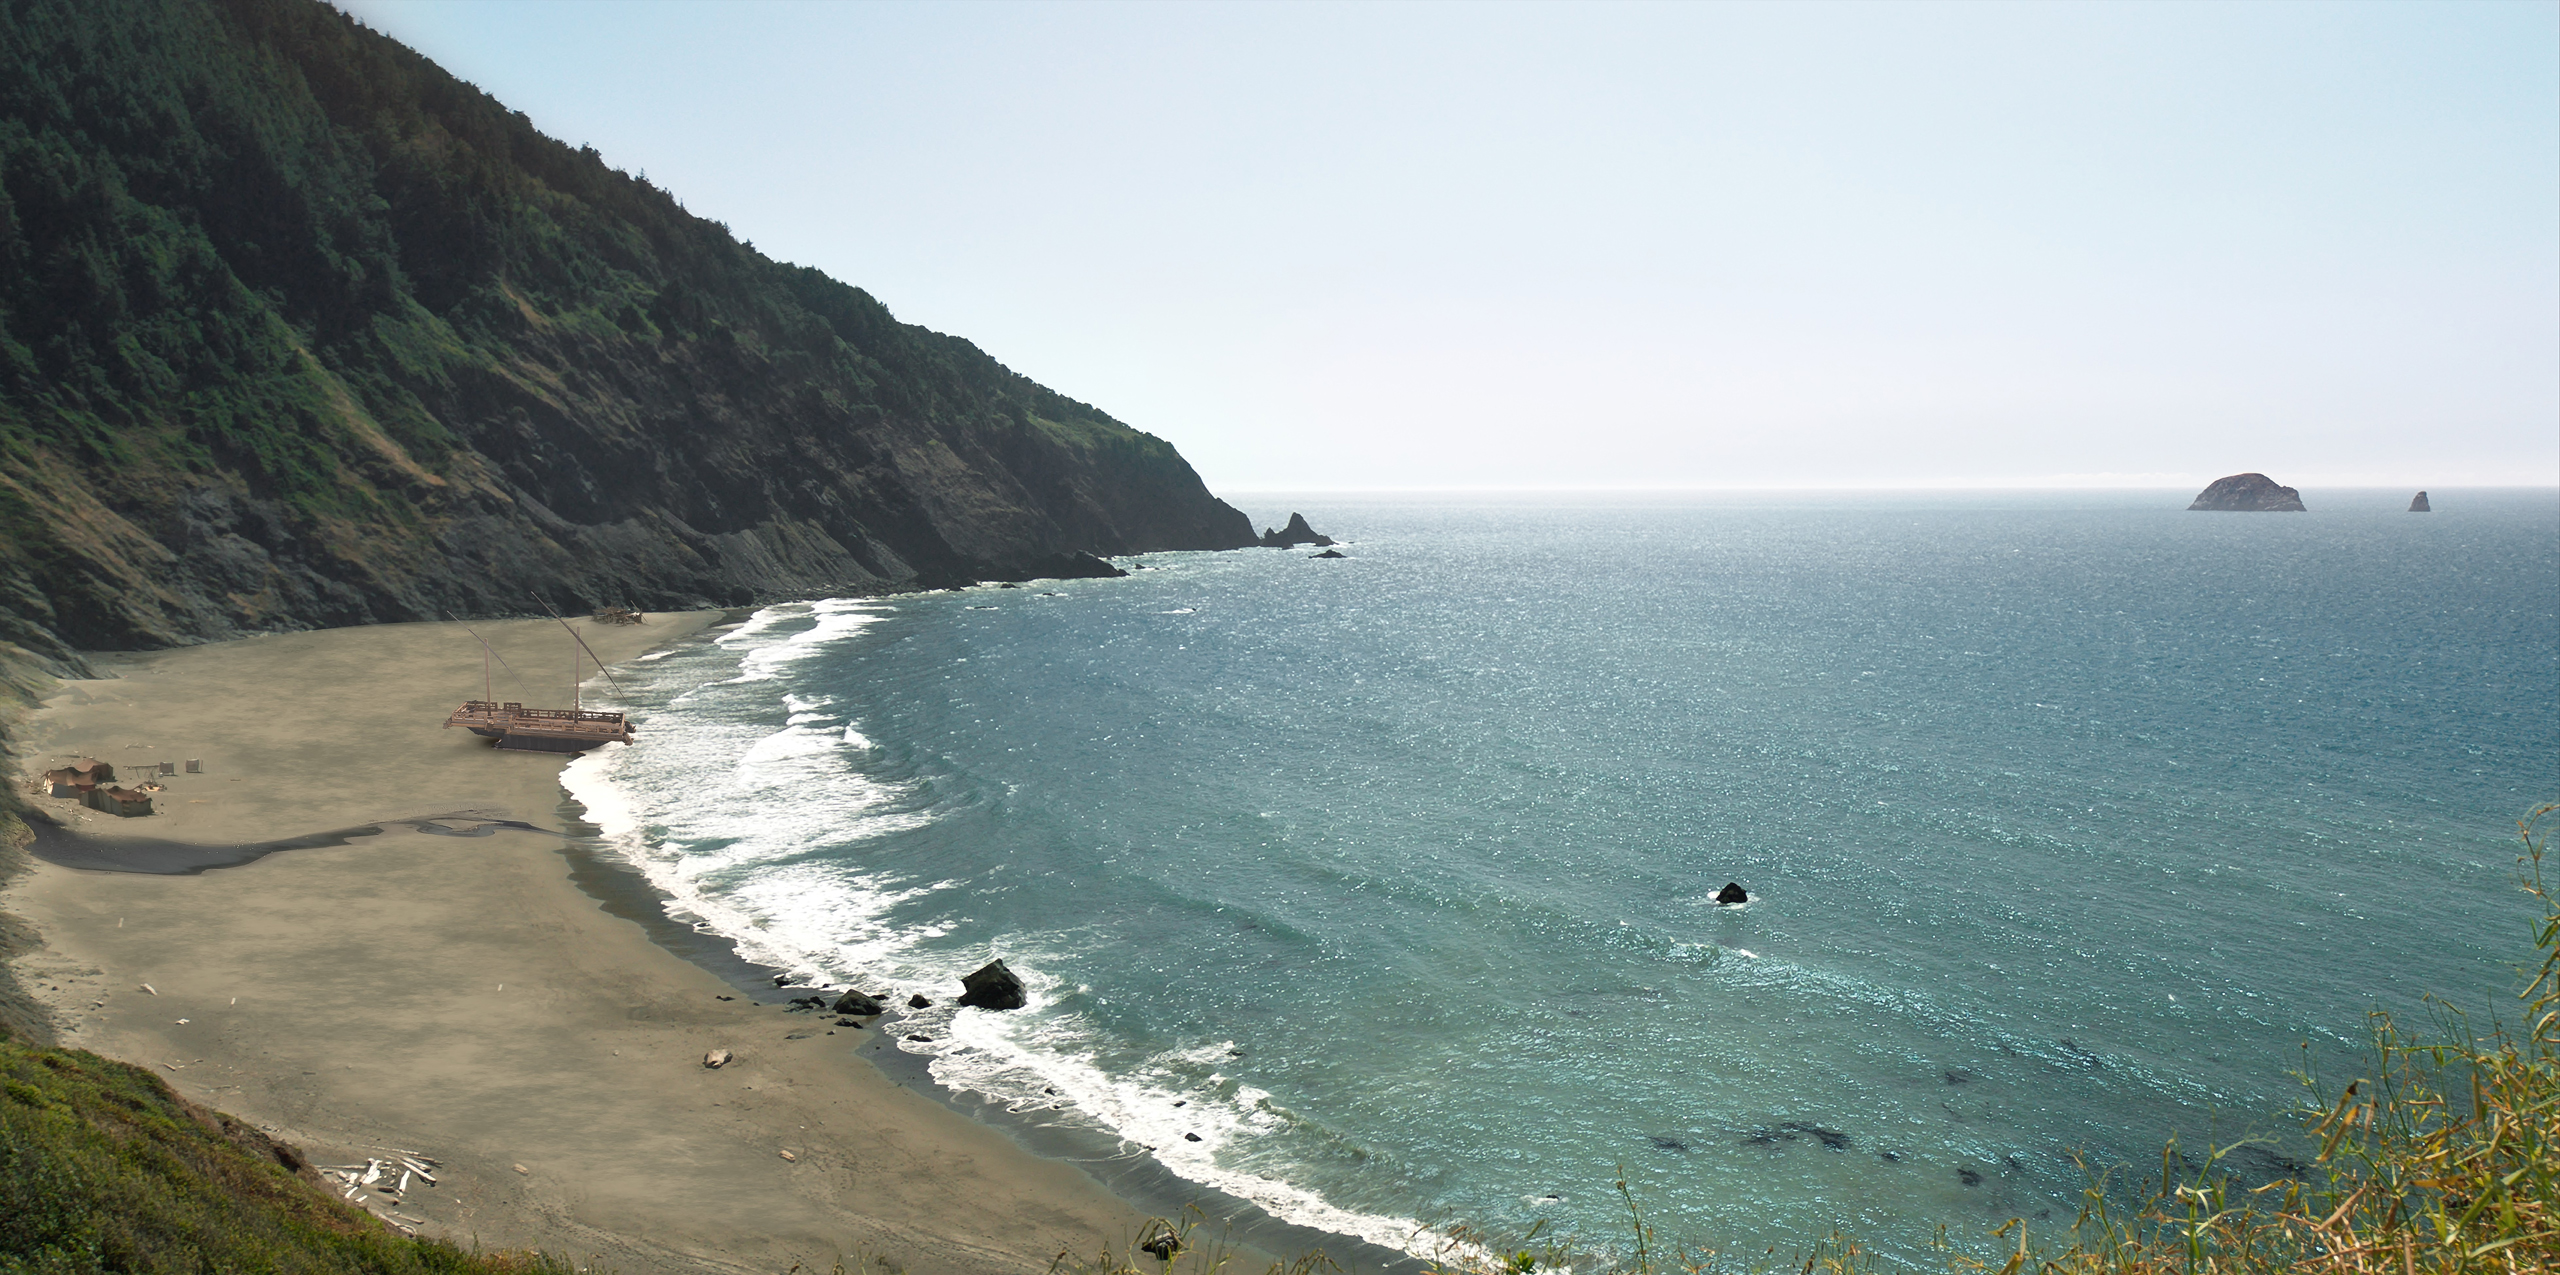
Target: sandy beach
(460,996)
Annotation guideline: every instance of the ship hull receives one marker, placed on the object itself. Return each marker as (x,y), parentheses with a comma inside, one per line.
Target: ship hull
(522,742)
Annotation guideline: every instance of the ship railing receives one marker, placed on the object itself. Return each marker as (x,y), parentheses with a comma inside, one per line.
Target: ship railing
(568,715)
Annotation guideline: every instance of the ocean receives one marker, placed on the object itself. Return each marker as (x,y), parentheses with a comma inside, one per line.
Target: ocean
(1380,891)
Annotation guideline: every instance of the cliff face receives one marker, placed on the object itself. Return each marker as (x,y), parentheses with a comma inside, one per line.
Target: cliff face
(296,329)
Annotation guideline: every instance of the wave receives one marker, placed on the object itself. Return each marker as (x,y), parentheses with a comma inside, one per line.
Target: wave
(742,826)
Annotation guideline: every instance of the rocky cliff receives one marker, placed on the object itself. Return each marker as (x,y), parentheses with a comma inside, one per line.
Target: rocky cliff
(296,329)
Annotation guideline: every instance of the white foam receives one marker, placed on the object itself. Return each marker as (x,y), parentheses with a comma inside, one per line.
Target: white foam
(720,813)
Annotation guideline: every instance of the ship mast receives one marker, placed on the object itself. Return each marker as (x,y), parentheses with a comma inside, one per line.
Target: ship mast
(487,653)
(574,700)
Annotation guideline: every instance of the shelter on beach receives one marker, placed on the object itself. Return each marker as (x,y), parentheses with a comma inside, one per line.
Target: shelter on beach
(124,802)
(79,778)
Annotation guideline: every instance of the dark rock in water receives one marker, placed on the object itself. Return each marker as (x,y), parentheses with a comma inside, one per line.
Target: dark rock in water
(1295,534)
(1831,1139)
(1191,1137)
(1069,566)
(1732,894)
(920,1038)
(2248,493)
(1330,553)
(782,980)
(2419,505)
(853,1002)
(992,987)
(1968,1177)
(918,1001)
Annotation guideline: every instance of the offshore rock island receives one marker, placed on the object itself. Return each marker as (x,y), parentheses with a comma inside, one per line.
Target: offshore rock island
(298,330)
(2248,493)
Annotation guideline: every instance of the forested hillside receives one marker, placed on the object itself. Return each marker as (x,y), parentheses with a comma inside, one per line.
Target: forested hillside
(296,329)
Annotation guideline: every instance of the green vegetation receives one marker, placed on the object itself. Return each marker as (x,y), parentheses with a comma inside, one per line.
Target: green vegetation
(102,1168)
(285,308)
(2443,1158)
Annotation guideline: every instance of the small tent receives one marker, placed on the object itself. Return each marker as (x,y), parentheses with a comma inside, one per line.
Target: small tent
(124,802)
(78,778)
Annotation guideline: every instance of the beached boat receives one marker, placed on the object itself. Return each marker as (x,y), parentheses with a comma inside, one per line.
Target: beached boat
(539,730)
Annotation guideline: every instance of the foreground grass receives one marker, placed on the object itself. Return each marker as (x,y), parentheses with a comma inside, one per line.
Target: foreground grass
(103,1168)
(2443,1158)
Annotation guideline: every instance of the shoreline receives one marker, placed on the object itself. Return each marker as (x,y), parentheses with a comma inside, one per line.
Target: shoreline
(355,995)
(1139,1180)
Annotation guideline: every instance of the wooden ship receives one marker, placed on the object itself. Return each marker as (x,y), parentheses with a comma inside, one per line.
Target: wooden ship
(511,725)
(540,730)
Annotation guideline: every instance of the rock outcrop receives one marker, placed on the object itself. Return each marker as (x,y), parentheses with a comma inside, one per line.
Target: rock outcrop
(992,987)
(1295,534)
(2419,505)
(858,1003)
(1731,894)
(2248,493)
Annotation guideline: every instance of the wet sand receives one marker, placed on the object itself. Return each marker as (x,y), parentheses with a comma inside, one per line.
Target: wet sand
(459,995)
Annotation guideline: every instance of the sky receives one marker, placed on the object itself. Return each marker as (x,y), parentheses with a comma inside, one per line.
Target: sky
(1514,246)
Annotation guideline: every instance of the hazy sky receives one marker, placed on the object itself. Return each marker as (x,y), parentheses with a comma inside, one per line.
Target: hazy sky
(1492,245)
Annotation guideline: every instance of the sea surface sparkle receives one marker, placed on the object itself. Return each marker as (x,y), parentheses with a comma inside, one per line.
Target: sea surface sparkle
(2070,820)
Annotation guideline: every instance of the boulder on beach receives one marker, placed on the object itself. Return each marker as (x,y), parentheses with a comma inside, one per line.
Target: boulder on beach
(1295,534)
(717,1059)
(2419,504)
(992,987)
(854,1002)
(2248,493)
(1732,893)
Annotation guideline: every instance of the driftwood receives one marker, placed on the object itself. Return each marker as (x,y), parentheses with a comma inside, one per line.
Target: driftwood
(375,1175)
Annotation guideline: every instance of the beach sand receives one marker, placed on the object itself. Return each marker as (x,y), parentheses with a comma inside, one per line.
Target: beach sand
(461,997)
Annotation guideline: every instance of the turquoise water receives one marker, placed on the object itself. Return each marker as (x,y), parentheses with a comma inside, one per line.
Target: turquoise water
(2069,819)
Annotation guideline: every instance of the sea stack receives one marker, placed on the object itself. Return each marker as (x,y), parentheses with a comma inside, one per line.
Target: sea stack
(2248,493)
(1295,534)
(2419,505)
(1731,894)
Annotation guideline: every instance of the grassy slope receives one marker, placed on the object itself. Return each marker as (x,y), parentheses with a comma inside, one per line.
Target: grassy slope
(102,1168)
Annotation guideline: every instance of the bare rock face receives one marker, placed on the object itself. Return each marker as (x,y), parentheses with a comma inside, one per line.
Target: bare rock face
(992,987)
(2248,493)
(1295,534)
(2419,505)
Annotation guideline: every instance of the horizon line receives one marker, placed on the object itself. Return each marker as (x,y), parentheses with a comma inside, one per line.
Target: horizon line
(1984,485)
